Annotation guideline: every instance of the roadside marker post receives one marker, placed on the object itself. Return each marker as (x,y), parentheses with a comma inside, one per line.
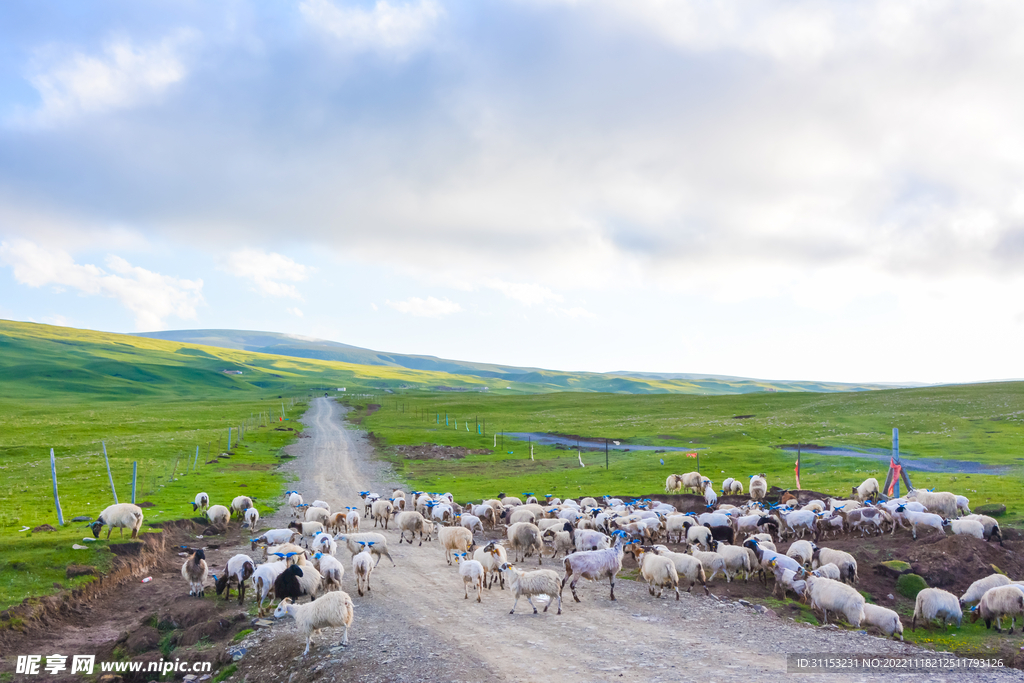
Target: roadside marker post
(135,471)
(109,476)
(56,498)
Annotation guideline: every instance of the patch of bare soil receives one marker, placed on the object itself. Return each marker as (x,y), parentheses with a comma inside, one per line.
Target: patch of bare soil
(436,452)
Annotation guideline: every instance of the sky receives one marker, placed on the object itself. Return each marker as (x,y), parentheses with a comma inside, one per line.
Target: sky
(782,190)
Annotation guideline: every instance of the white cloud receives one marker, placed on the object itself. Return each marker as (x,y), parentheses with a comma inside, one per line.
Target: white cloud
(525,293)
(124,75)
(576,312)
(150,296)
(268,271)
(373,306)
(425,308)
(386,27)
(297,312)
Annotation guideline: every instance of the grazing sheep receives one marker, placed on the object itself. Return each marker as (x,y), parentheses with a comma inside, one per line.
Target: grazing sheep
(787,579)
(218,515)
(252,518)
(456,538)
(977,589)
(676,525)
(884,619)
(935,603)
(758,486)
(595,565)
(381,512)
(963,505)
(967,527)
(833,596)
(296,581)
(658,571)
(732,487)
(491,557)
(334,610)
(472,572)
(846,562)
(239,569)
(272,537)
(122,516)
(999,602)
(524,538)
(801,551)
(410,522)
(940,503)
(737,559)
(332,571)
(829,571)
(560,540)
(195,572)
(202,502)
(362,566)
(687,567)
(379,547)
(866,491)
(263,581)
(713,563)
(710,497)
(240,504)
(537,582)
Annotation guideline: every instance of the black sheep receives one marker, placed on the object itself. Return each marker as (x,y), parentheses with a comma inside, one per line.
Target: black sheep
(287,584)
(721,533)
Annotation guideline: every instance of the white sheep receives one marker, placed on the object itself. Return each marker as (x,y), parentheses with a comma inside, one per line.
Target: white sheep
(867,490)
(252,517)
(737,559)
(307,529)
(923,519)
(491,557)
(991,526)
(238,570)
(801,551)
(381,512)
(322,504)
(122,516)
(362,566)
(472,572)
(846,562)
(592,540)
(332,571)
(521,514)
(273,537)
(218,515)
(317,514)
(710,497)
(977,589)
(940,503)
(290,553)
(935,603)
(455,538)
(471,522)
(829,571)
(333,610)
(787,579)
(732,487)
(379,547)
(758,486)
(797,522)
(524,539)
(963,505)
(687,567)
(202,502)
(294,500)
(882,618)
(967,527)
(659,572)
(537,582)
(560,540)
(834,596)
(999,602)
(195,572)
(595,565)
(324,543)
(700,535)
(263,580)
(713,563)
(240,504)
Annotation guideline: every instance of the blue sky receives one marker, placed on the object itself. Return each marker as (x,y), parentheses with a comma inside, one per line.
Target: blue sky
(787,190)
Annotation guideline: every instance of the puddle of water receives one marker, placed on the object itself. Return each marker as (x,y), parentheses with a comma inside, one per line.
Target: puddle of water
(909,461)
(589,444)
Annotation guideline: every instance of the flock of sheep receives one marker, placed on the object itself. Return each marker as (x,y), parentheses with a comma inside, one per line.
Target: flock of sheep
(593,536)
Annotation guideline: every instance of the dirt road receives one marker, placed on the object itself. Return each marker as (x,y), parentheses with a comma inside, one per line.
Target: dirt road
(416,626)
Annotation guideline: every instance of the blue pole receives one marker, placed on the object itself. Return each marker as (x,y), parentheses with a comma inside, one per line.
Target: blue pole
(195,464)
(135,471)
(56,498)
(109,476)
(896,457)
(229,439)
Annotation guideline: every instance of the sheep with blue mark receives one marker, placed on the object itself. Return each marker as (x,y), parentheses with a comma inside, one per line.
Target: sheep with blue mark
(239,569)
(378,548)
(362,565)
(472,572)
(331,570)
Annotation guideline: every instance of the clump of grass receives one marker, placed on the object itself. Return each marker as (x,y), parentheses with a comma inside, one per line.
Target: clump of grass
(909,585)
(225,673)
(241,634)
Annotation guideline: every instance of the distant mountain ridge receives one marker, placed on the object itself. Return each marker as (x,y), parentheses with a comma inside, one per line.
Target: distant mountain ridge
(626,381)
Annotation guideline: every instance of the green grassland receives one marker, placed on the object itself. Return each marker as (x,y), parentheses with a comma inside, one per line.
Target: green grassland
(735,435)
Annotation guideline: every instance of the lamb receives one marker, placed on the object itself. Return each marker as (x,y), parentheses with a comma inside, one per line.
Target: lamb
(925,519)
(263,580)
(935,603)
(291,554)
(801,551)
(370,498)
(710,497)
(560,540)
(485,513)
(765,555)
(273,537)
(867,519)
(676,525)
(815,505)
(884,619)
(252,517)
(334,610)
(846,562)
(202,502)
(410,522)
(331,570)
(713,563)
(691,480)
(524,538)
(687,567)
(491,557)
(379,547)
(700,535)
(471,522)
(324,543)
(195,572)
(798,521)
(867,490)
(239,569)
(322,504)
(594,565)
(457,538)
(362,566)
(991,527)
(737,559)
(963,505)
(999,602)
(307,529)
(472,572)
(746,524)
(968,527)
(537,582)
(758,486)
(787,579)
(977,589)
(296,581)
(940,503)
(317,514)
(659,571)
(381,512)
(240,504)
(829,571)
(732,487)
(833,596)
(122,516)
(294,500)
